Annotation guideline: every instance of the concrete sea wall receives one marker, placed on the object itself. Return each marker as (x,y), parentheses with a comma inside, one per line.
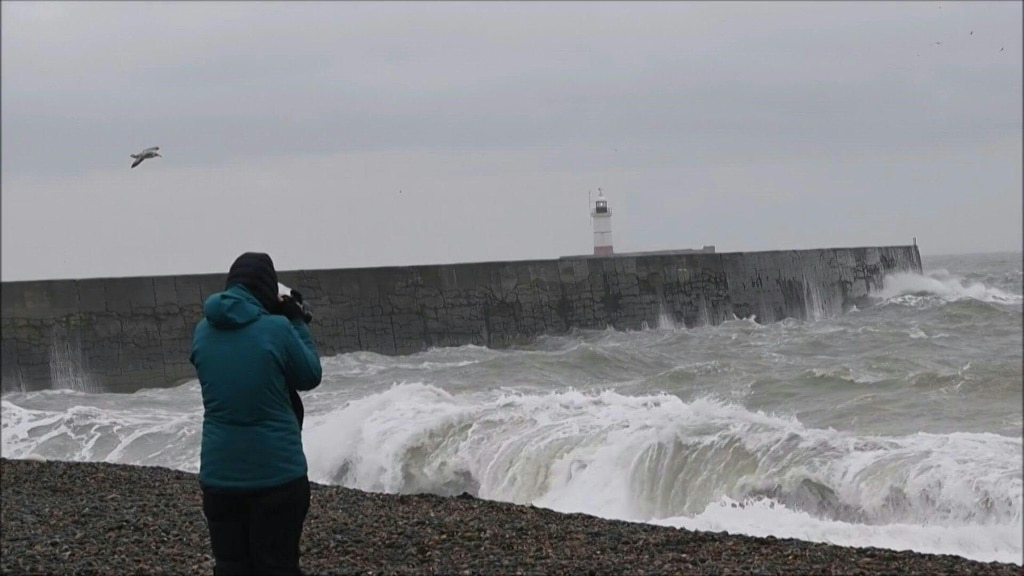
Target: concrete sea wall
(123,334)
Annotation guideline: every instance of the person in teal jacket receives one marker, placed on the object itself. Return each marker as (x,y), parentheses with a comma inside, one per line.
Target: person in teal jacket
(252,352)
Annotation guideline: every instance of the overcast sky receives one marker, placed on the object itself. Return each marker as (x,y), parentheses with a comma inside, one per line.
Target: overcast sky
(349,134)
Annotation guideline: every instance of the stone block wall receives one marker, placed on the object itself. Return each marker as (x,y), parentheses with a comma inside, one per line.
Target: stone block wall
(123,334)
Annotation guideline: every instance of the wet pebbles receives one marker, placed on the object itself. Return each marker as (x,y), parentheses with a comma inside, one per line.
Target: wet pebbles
(78,518)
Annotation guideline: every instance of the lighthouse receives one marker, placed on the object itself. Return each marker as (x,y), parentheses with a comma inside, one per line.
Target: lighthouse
(602,217)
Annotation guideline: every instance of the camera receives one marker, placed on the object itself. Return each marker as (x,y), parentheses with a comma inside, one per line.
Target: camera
(292,304)
(283,291)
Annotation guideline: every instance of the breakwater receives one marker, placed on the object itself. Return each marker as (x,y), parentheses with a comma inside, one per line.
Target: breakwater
(123,334)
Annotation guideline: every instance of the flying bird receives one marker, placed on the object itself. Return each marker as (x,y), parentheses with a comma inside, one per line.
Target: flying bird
(1001,49)
(147,153)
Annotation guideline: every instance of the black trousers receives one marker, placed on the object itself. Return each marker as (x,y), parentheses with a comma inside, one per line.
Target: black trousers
(257,532)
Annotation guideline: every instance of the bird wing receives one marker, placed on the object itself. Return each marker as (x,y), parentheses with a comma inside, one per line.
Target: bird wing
(137,161)
(153,149)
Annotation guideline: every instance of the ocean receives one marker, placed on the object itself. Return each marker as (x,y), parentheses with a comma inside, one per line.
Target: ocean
(897,425)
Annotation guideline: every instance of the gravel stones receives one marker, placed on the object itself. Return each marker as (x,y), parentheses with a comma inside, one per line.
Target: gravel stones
(107,519)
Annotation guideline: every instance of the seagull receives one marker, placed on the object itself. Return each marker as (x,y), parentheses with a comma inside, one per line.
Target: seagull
(1001,49)
(972,33)
(147,153)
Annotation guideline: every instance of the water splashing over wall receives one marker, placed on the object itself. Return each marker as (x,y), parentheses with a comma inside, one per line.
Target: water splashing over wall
(666,321)
(67,369)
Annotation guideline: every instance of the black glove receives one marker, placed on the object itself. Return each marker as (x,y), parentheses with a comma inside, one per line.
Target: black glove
(294,308)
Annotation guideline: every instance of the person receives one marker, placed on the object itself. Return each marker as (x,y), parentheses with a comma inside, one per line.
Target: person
(252,351)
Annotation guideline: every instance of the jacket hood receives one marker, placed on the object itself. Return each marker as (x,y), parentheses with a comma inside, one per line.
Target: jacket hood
(232,308)
(255,271)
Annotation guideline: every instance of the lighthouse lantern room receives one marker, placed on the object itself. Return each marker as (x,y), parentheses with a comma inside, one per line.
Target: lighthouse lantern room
(602,218)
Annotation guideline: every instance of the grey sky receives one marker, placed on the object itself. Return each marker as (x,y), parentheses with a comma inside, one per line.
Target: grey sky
(291,128)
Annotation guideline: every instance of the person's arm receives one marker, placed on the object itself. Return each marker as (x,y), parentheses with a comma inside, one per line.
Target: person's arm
(302,362)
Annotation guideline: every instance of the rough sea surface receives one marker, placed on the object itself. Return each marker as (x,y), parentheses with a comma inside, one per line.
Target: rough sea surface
(97,519)
(898,425)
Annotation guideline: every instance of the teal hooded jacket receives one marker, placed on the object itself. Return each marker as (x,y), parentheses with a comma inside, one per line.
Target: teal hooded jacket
(246,359)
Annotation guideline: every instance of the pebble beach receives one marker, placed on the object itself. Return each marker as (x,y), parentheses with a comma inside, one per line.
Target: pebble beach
(106,519)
